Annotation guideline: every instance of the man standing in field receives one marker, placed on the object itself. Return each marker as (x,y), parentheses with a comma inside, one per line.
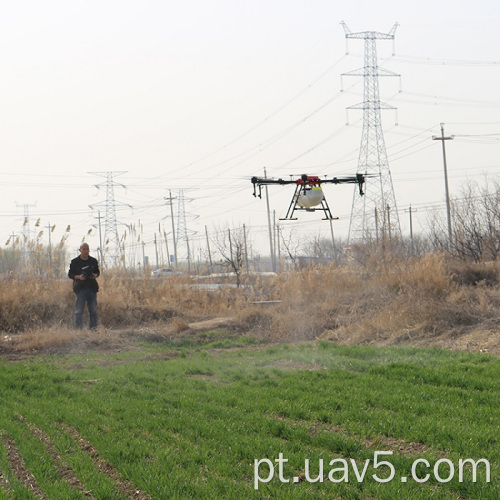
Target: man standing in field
(84,270)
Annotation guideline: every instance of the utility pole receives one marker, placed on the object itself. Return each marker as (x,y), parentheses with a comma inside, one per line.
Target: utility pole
(276,262)
(271,248)
(442,138)
(410,211)
(171,203)
(50,228)
(160,246)
(166,244)
(156,250)
(188,254)
(100,238)
(246,248)
(333,241)
(278,246)
(209,251)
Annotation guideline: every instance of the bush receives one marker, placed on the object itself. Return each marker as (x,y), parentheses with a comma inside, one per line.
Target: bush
(391,300)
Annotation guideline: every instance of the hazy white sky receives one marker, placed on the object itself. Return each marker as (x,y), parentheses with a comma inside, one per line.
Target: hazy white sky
(202,95)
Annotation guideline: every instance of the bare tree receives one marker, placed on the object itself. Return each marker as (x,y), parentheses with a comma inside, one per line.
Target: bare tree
(290,243)
(468,231)
(475,216)
(324,250)
(231,245)
(490,198)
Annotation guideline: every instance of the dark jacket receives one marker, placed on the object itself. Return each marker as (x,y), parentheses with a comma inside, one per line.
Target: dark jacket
(85,267)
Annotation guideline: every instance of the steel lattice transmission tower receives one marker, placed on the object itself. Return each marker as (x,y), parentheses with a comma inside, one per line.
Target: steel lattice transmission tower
(110,248)
(375,215)
(183,233)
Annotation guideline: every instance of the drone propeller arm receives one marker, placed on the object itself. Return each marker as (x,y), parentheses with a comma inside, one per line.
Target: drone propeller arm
(263,181)
(306,180)
(357,179)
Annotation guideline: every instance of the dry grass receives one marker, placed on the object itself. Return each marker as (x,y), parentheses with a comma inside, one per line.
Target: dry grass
(418,301)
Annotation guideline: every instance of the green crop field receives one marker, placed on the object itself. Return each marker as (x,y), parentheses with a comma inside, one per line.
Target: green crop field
(220,418)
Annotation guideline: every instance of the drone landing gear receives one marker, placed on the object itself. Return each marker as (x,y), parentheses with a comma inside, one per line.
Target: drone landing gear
(326,209)
(294,206)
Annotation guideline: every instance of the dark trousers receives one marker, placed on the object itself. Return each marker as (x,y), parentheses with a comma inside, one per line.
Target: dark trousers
(88,297)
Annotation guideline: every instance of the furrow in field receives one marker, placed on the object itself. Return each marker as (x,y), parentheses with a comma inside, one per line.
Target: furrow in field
(19,468)
(66,472)
(126,487)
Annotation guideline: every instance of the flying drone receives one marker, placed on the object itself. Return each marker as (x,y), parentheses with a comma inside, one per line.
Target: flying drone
(308,194)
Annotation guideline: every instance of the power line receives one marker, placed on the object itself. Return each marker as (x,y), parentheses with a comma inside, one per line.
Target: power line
(443,62)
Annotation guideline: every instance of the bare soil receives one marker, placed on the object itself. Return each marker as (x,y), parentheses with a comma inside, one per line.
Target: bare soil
(483,338)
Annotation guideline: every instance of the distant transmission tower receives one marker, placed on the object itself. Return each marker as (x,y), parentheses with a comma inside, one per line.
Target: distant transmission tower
(26,227)
(26,223)
(182,230)
(375,215)
(111,250)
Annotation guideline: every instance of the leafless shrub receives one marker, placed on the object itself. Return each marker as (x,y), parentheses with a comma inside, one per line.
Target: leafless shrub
(474,216)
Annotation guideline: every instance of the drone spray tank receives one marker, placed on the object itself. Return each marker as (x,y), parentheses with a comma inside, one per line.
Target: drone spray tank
(310,194)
